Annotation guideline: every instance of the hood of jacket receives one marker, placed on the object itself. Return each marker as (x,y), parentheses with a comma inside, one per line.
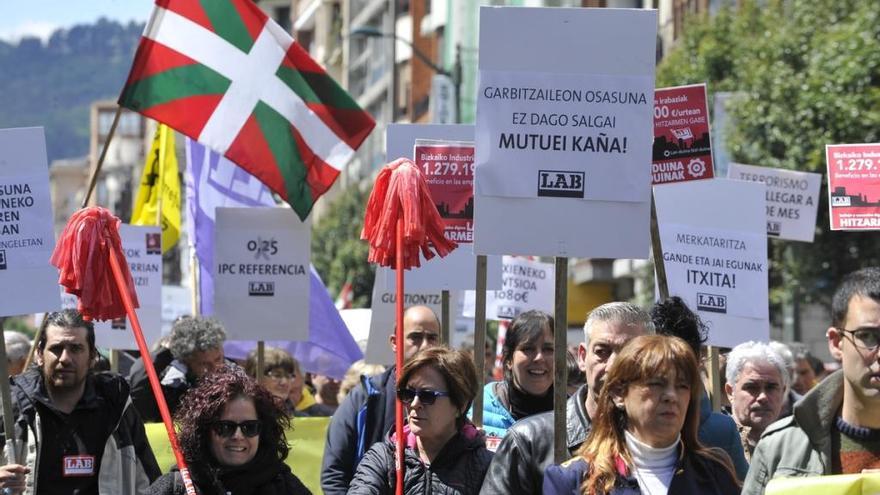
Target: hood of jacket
(815,413)
(467,439)
(102,389)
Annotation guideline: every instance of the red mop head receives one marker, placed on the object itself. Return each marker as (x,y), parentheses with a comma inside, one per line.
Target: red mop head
(82,257)
(401,192)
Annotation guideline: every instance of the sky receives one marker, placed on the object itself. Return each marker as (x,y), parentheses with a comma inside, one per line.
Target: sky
(41,17)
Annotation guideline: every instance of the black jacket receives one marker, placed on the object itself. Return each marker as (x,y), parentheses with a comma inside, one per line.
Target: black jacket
(527,449)
(283,483)
(694,475)
(458,469)
(363,418)
(142,394)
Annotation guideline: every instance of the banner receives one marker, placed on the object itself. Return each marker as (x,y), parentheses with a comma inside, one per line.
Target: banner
(159,193)
(715,250)
(563,132)
(854,186)
(525,285)
(26,225)
(261,272)
(792,199)
(143,251)
(306,439)
(841,484)
(682,144)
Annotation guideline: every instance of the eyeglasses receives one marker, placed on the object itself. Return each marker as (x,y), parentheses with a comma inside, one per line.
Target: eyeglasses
(865,338)
(226,429)
(280,375)
(427,397)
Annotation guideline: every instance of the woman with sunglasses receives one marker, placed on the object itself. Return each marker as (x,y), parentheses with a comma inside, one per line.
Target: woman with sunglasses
(644,433)
(231,433)
(444,452)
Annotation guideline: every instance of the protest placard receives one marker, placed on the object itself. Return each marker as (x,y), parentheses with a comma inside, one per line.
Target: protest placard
(854,186)
(682,144)
(457,269)
(525,284)
(382,319)
(26,234)
(142,247)
(176,302)
(715,251)
(792,199)
(563,132)
(261,273)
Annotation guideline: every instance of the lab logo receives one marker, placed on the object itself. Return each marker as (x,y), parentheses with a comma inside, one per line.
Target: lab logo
(560,184)
(154,243)
(508,312)
(841,201)
(2,259)
(713,303)
(261,288)
(774,228)
(118,324)
(78,465)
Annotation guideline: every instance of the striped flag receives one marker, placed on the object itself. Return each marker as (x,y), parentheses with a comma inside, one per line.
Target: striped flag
(158,198)
(224,74)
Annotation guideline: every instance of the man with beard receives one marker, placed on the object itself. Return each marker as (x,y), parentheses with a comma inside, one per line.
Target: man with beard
(527,449)
(77,429)
(835,428)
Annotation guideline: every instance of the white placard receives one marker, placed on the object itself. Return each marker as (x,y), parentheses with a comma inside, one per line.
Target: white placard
(261,274)
(26,225)
(458,269)
(581,136)
(383,316)
(715,252)
(176,302)
(142,246)
(525,285)
(568,46)
(792,199)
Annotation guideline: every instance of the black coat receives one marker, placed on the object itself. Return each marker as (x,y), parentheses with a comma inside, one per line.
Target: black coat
(459,469)
(283,482)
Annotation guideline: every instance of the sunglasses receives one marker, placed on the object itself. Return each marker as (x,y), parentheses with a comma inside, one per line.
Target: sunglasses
(427,397)
(226,429)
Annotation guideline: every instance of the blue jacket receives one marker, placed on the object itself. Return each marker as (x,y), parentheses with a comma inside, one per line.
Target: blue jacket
(364,418)
(496,418)
(693,476)
(719,430)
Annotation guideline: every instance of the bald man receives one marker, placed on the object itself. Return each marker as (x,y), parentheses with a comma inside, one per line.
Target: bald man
(367,413)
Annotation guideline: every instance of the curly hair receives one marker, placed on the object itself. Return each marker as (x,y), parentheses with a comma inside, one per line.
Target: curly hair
(195,334)
(673,317)
(204,404)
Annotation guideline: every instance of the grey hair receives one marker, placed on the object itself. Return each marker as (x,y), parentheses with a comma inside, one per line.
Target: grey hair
(17,345)
(618,312)
(751,352)
(195,334)
(787,356)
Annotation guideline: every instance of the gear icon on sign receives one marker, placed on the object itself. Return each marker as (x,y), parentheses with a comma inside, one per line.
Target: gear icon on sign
(697,167)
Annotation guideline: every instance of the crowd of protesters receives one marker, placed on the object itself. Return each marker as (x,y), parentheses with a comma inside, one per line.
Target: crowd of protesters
(638,417)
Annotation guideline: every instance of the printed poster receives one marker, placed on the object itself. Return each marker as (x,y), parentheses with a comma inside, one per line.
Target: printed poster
(525,284)
(682,144)
(854,186)
(27,238)
(261,273)
(449,172)
(792,199)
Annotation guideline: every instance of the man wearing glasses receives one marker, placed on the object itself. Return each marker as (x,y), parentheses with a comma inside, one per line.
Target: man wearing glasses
(835,428)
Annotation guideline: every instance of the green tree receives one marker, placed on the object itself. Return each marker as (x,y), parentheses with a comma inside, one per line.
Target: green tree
(338,252)
(805,73)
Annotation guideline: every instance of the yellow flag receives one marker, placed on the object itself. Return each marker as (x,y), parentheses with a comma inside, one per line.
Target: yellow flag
(160,189)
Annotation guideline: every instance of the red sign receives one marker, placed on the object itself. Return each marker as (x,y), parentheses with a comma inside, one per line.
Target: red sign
(682,145)
(449,171)
(854,186)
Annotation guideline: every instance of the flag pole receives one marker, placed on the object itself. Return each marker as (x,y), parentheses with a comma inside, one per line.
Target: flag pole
(560,376)
(480,337)
(11,447)
(94,179)
(398,336)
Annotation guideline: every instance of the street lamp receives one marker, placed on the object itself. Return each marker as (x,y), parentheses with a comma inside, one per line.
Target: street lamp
(455,75)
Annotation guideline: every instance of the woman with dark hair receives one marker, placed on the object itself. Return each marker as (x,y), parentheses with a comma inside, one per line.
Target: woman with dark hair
(231,433)
(444,452)
(527,387)
(644,436)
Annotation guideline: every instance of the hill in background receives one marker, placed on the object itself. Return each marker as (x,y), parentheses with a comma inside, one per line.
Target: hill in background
(52,84)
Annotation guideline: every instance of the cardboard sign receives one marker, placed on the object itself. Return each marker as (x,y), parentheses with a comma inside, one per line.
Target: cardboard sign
(792,199)
(525,285)
(682,144)
(583,167)
(383,317)
(261,273)
(176,302)
(456,270)
(715,251)
(449,172)
(143,251)
(26,231)
(854,186)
